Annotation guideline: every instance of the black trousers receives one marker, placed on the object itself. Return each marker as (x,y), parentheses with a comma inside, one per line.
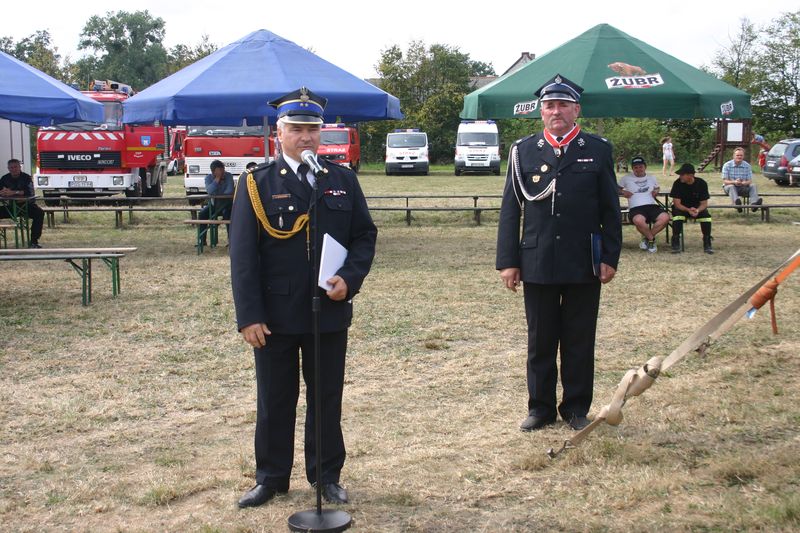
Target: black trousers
(561,317)
(35,214)
(278,382)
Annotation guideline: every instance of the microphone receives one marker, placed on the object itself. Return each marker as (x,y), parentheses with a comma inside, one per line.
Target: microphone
(310,159)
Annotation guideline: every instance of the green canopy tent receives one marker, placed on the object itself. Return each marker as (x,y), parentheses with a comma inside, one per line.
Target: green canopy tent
(621,76)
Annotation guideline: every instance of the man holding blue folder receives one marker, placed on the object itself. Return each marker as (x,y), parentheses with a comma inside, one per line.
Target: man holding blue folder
(561,185)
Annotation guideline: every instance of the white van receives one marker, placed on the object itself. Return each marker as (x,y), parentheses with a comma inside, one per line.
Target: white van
(477,147)
(407,151)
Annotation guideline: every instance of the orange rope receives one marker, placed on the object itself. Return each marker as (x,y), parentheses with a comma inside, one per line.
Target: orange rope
(768,291)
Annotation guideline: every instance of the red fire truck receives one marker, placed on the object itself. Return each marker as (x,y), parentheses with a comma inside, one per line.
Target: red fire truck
(339,143)
(177,155)
(82,158)
(235,146)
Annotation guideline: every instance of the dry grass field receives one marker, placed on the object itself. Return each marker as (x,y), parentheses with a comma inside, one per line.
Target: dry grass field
(137,413)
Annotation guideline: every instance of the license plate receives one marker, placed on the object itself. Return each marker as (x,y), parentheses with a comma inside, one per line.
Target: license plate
(771,164)
(80,184)
(477,163)
(406,166)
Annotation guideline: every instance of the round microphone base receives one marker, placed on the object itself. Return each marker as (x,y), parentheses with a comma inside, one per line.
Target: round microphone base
(329,520)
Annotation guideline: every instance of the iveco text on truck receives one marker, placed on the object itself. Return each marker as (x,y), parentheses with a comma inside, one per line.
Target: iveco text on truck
(407,152)
(87,159)
(477,147)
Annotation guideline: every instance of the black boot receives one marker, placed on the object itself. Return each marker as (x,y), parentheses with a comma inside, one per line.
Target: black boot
(707,244)
(676,244)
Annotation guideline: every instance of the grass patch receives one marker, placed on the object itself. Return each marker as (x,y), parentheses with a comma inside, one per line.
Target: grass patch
(138,412)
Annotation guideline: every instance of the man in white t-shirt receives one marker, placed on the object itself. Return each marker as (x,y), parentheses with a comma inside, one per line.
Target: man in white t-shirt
(641,189)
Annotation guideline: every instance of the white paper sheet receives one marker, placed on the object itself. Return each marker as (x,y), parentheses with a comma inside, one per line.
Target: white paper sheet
(333,256)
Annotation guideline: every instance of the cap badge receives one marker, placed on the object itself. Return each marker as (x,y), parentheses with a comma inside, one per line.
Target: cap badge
(558,79)
(304,98)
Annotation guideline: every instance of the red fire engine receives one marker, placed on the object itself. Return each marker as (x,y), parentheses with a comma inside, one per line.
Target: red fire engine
(339,143)
(82,158)
(177,155)
(235,146)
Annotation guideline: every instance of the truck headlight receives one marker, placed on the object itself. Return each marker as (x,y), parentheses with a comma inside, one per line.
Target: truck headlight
(118,180)
(44,181)
(495,157)
(459,157)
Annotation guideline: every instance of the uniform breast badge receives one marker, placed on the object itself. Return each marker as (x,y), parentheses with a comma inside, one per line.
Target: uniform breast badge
(544,168)
(283,172)
(536,178)
(540,143)
(581,142)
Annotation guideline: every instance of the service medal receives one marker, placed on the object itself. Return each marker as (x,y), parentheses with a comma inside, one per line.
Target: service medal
(536,178)
(558,152)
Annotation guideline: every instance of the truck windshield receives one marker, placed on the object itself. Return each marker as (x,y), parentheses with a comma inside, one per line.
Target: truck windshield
(334,137)
(112,120)
(407,140)
(478,139)
(226,131)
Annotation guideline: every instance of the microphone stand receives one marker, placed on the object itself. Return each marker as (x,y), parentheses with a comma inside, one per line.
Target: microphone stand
(319,519)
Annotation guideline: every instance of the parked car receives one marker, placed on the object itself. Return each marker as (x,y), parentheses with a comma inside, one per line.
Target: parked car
(778,161)
(793,171)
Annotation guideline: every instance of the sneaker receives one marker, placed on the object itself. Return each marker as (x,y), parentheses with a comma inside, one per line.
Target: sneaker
(707,245)
(676,246)
(34,245)
(757,202)
(738,202)
(651,246)
(643,243)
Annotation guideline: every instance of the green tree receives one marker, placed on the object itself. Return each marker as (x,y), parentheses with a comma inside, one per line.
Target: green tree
(181,55)
(36,50)
(125,47)
(430,82)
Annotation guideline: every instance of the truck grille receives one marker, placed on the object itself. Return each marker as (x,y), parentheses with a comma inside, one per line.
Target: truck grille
(478,157)
(80,160)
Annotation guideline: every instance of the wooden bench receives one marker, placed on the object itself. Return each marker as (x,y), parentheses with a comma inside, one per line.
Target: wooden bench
(117,210)
(408,210)
(109,256)
(5,225)
(212,225)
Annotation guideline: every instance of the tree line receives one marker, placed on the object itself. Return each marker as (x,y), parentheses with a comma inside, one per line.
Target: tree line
(432,80)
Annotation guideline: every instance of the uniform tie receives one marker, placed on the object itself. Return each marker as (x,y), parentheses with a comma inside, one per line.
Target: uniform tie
(302,173)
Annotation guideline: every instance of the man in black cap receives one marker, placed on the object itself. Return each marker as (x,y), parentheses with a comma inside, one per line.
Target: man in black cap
(561,182)
(690,201)
(18,183)
(271,252)
(641,189)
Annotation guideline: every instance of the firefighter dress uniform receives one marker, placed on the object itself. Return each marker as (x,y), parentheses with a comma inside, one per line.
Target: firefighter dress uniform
(271,252)
(566,196)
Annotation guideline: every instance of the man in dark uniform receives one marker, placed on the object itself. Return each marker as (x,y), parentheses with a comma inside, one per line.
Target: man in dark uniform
(690,201)
(561,183)
(271,269)
(18,183)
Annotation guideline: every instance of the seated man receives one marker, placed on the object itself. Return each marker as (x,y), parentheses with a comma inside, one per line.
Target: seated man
(18,183)
(218,183)
(690,201)
(641,189)
(737,180)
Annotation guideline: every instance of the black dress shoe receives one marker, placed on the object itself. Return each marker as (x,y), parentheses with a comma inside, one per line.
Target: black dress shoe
(578,422)
(533,422)
(334,493)
(258,495)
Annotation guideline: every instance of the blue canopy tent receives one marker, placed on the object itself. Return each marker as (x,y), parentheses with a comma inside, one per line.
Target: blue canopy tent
(236,82)
(29,95)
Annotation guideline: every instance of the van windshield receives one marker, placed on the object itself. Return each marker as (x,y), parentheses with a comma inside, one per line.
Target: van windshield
(478,139)
(407,140)
(334,137)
